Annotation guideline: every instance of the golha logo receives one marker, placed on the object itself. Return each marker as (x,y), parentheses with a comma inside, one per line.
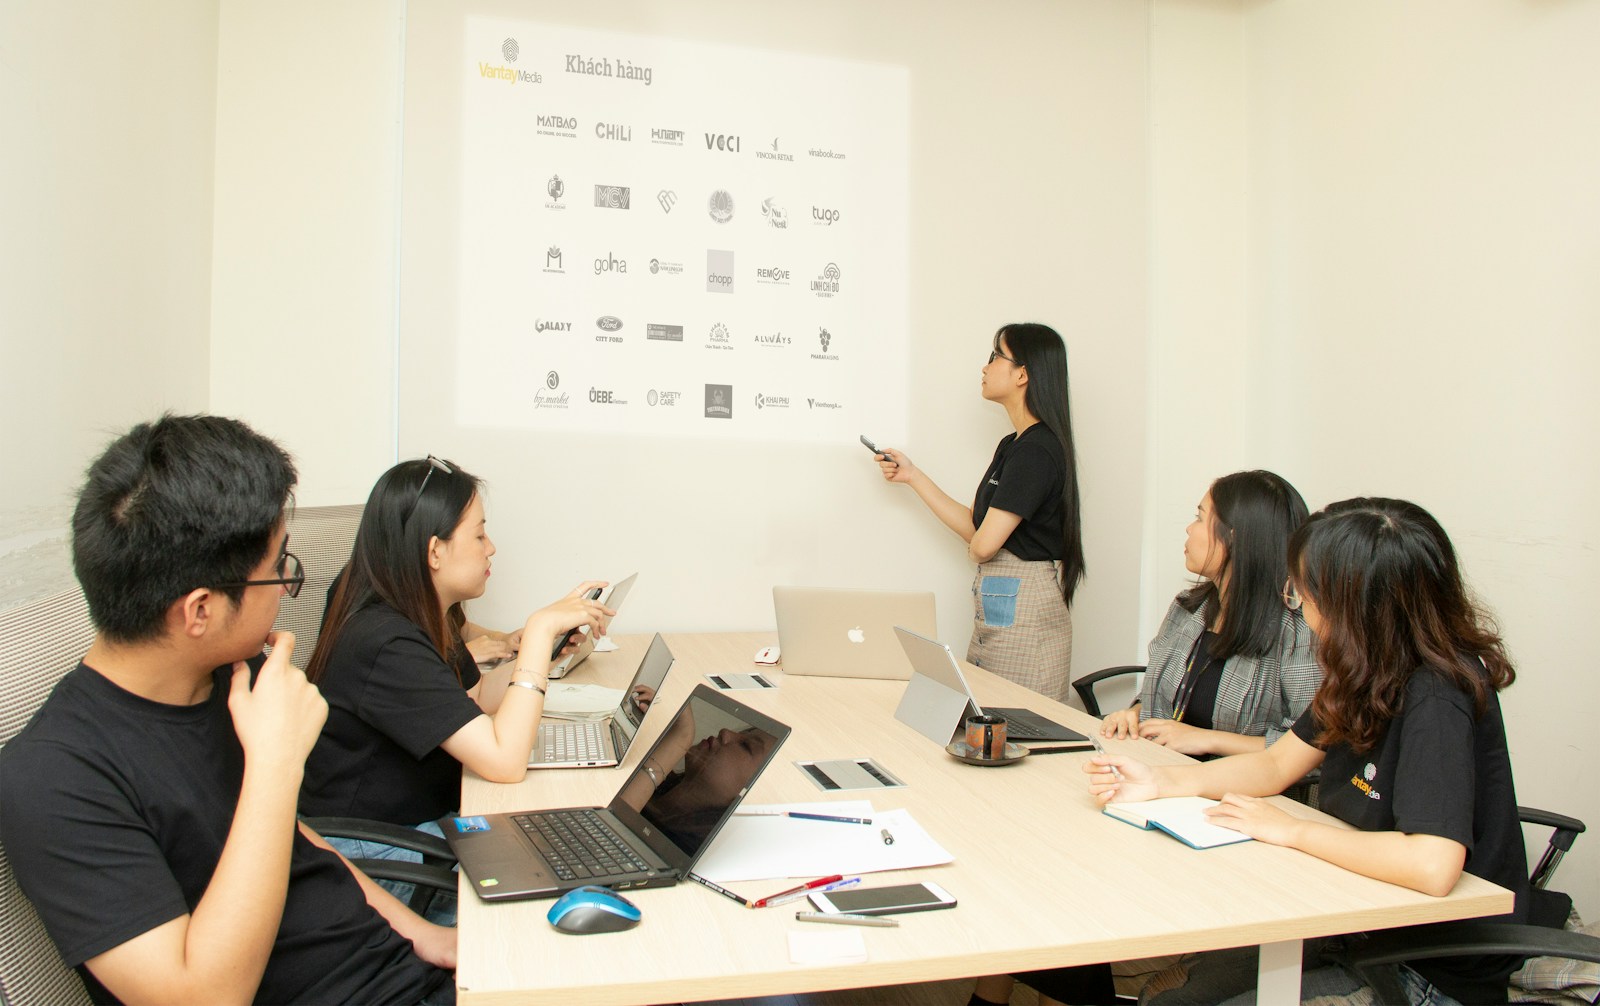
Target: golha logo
(610,264)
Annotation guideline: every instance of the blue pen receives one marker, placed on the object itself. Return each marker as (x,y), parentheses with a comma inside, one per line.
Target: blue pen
(829,817)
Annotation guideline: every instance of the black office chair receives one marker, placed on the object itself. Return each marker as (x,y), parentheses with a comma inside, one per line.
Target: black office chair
(433,876)
(1542,936)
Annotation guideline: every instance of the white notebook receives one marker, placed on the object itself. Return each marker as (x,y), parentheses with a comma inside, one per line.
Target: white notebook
(1182,817)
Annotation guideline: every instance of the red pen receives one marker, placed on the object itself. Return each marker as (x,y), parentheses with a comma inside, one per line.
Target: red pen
(824,882)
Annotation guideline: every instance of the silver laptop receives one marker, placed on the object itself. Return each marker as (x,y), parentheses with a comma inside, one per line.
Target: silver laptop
(654,829)
(604,742)
(612,598)
(937,700)
(840,633)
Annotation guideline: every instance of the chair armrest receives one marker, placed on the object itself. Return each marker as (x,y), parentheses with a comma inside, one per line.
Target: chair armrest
(437,878)
(430,846)
(1566,828)
(1454,939)
(1085,685)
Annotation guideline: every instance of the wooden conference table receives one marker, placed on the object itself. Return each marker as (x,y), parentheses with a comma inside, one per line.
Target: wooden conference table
(1041,876)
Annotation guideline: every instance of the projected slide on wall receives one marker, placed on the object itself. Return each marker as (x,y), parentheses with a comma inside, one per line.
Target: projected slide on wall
(671,238)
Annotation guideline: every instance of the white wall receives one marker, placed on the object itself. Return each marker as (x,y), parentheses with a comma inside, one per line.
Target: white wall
(105,248)
(1425,240)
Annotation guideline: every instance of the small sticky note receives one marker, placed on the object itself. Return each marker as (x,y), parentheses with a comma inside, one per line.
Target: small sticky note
(827,945)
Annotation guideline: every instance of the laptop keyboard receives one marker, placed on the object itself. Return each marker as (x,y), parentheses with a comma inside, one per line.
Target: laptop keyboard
(579,844)
(571,741)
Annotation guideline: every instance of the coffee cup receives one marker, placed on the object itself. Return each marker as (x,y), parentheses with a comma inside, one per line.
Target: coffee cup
(986,736)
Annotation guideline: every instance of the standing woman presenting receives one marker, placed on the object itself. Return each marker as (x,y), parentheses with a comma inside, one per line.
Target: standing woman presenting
(1023,528)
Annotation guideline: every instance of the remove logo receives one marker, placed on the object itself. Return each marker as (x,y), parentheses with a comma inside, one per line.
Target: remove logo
(608,323)
(719,401)
(776,275)
(719,271)
(723,142)
(720,206)
(775,214)
(611,197)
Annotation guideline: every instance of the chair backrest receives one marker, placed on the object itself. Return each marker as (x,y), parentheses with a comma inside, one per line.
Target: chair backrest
(322,536)
(40,641)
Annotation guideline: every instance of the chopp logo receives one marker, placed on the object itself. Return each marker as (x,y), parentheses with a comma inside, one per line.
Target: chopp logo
(612,197)
(719,401)
(719,271)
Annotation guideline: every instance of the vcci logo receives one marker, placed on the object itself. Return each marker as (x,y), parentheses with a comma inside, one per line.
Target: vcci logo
(612,197)
(723,142)
(610,264)
(719,271)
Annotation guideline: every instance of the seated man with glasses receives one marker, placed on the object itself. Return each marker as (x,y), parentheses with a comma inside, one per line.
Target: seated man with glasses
(148,809)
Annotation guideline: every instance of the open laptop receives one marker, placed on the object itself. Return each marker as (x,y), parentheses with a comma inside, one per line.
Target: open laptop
(604,742)
(840,633)
(937,700)
(612,599)
(654,829)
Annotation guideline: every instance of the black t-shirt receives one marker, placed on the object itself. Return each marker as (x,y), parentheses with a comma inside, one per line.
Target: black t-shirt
(1202,701)
(1025,478)
(391,702)
(114,810)
(1438,770)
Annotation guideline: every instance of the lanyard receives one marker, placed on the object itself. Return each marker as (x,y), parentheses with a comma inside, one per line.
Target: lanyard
(1191,677)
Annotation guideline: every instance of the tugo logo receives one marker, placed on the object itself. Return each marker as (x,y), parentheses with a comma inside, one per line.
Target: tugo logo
(611,197)
(822,216)
(612,131)
(722,141)
(608,323)
(719,271)
(540,325)
(610,264)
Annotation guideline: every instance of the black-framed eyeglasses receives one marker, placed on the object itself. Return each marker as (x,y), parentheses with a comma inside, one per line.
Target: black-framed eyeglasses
(433,463)
(291,576)
(995,354)
(1291,595)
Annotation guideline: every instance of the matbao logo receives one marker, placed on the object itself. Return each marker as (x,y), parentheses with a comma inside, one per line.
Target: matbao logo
(611,197)
(669,137)
(826,339)
(774,154)
(613,131)
(718,338)
(603,396)
(552,259)
(720,206)
(564,126)
(610,264)
(775,339)
(663,333)
(775,214)
(771,401)
(817,403)
(665,399)
(547,397)
(540,325)
(826,285)
(719,401)
(723,142)
(777,276)
(719,271)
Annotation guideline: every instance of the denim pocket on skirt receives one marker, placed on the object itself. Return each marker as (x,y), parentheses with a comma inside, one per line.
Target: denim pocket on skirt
(999,600)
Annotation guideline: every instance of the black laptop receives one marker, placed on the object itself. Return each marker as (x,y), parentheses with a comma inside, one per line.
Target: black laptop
(654,829)
(937,699)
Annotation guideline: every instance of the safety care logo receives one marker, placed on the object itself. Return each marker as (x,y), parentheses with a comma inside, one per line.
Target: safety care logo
(665,399)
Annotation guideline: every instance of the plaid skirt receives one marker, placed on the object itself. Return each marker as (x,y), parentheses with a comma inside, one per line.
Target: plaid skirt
(1022,628)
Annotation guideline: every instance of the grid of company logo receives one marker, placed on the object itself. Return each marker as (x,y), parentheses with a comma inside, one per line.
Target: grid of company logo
(669,238)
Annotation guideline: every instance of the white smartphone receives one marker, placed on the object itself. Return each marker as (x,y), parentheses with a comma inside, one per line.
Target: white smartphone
(884,900)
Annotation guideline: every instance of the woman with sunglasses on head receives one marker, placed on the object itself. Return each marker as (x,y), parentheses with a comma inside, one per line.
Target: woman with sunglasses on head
(1231,668)
(1407,730)
(1023,528)
(407,708)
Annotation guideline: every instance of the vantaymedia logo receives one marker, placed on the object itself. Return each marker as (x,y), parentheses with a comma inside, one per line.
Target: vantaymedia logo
(719,338)
(612,197)
(555,188)
(826,339)
(817,403)
(719,401)
(775,276)
(771,401)
(775,214)
(827,155)
(719,271)
(602,67)
(548,397)
(665,399)
(720,206)
(662,267)
(613,131)
(663,333)
(604,396)
(773,340)
(540,325)
(667,137)
(552,259)
(509,50)
(822,216)
(610,264)
(564,126)
(666,197)
(826,285)
(723,142)
(774,154)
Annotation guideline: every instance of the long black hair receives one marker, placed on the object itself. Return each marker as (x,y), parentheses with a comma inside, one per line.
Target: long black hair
(1253,514)
(1040,349)
(1385,581)
(411,503)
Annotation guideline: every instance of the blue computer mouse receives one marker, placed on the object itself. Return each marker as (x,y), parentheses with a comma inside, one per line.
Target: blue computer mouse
(593,910)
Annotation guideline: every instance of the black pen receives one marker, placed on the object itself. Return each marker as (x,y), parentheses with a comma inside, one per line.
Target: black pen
(1059,748)
(718,888)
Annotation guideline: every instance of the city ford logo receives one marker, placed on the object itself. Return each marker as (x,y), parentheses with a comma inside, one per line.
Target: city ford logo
(608,322)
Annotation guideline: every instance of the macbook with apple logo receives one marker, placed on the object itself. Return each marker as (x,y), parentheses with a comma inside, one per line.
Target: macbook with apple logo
(846,633)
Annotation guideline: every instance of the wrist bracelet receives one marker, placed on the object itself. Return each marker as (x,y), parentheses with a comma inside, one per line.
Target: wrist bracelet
(530,685)
(650,770)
